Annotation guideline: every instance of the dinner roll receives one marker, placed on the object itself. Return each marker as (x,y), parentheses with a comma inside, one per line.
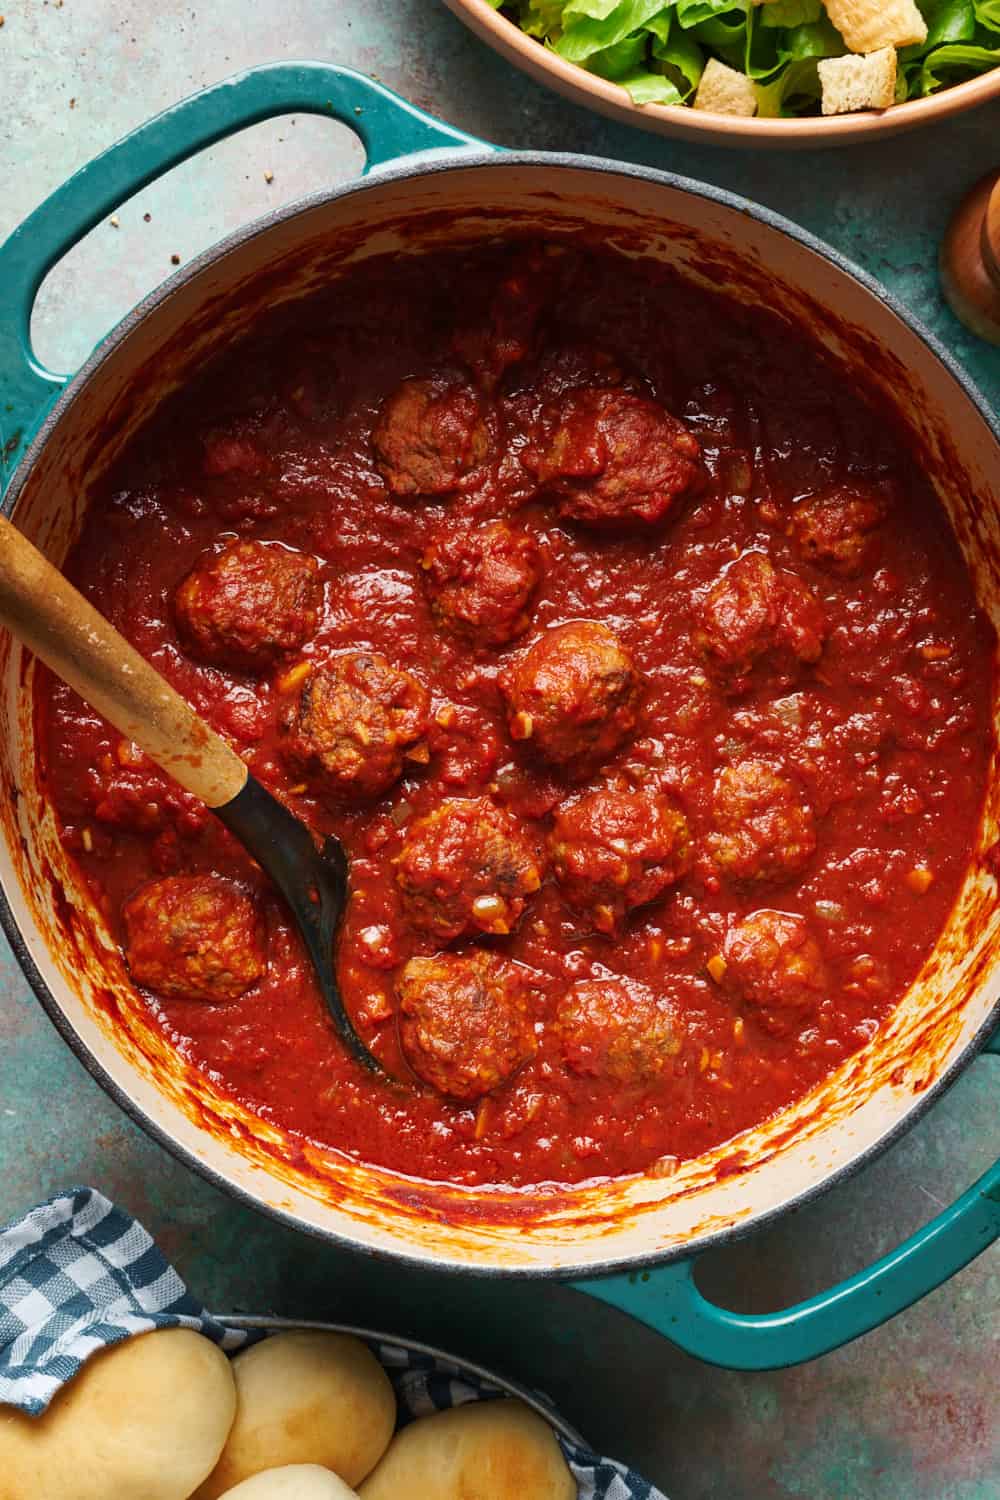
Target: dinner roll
(306,1398)
(295,1482)
(488,1450)
(143,1420)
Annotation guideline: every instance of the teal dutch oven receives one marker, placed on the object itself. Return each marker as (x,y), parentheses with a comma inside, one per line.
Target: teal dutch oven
(631,1242)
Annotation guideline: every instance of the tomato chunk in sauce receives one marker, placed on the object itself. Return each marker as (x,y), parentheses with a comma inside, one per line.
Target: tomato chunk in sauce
(627,650)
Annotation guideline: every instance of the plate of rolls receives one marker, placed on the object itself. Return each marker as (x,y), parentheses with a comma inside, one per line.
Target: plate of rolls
(301,1412)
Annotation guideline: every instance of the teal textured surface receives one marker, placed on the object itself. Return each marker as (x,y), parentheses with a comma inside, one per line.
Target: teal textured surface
(911,1411)
(392,130)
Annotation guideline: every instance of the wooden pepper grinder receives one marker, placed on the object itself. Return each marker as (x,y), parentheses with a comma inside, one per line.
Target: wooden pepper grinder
(970,260)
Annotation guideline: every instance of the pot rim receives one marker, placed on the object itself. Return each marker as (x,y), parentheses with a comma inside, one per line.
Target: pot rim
(416,165)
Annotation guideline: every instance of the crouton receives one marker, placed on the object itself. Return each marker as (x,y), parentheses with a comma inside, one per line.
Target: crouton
(724,91)
(851,83)
(869,25)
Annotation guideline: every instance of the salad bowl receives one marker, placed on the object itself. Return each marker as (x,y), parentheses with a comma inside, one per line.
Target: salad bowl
(605,79)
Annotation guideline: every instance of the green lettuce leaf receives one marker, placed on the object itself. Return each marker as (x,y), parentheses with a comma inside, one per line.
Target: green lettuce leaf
(661,25)
(682,58)
(791,13)
(730,13)
(769,50)
(959,59)
(954,21)
(815,39)
(591,10)
(584,35)
(624,57)
(651,88)
(988,14)
(726,36)
(796,88)
(762,51)
(539,18)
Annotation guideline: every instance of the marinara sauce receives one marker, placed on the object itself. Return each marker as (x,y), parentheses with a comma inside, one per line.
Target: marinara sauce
(627,651)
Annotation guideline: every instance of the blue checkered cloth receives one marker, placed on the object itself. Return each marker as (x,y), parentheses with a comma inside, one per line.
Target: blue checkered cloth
(78,1274)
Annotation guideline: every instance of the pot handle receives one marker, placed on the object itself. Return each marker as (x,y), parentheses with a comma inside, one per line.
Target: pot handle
(388,126)
(668,1300)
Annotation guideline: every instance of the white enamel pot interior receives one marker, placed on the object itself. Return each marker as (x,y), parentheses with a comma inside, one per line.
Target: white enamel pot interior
(714,240)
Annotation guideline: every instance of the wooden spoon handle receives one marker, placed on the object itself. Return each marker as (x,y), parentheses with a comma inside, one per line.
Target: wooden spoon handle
(46,612)
(970,260)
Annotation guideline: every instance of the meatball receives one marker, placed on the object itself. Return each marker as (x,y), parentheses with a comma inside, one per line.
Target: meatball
(232,451)
(773,962)
(616,1030)
(194,936)
(835,529)
(481,582)
(612,457)
(465,867)
(248,605)
(575,694)
(754,608)
(464,1023)
(764,829)
(353,724)
(506,333)
(613,851)
(429,435)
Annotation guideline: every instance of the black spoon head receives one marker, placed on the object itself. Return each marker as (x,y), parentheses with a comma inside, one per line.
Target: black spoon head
(314,883)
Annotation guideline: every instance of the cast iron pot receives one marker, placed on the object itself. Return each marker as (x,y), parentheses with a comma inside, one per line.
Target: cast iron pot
(433,186)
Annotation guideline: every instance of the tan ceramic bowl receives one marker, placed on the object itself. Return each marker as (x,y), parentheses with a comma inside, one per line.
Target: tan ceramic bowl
(701,126)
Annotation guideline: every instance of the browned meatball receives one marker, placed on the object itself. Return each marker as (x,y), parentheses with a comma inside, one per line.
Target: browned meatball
(232,450)
(194,936)
(429,435)
(575,694)
(773,962)
(754,608)
(506,334)
(466,867)
(248,605)
(616,1030)
(610,456)
(835,529)
(613,851)
(464,1023)
(481,582)
(353,724)
(764,828)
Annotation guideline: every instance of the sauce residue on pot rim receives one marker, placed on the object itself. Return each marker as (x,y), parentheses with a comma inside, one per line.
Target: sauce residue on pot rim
(627,651)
